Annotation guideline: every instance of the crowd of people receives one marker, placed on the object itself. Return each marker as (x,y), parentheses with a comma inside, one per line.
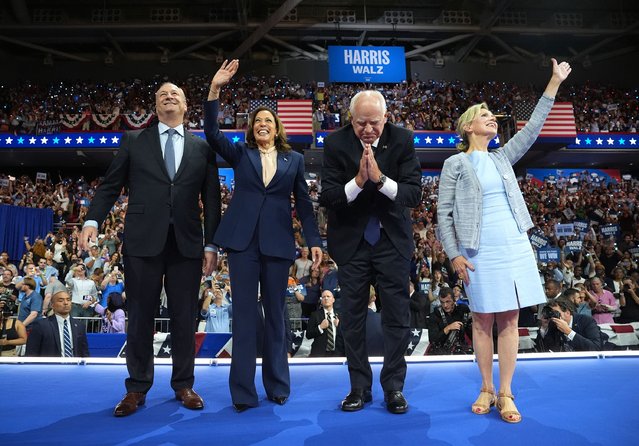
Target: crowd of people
(416,104)
(550,202)
(453,255)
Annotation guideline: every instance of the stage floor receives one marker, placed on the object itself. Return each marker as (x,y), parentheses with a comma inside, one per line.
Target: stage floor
(570,401)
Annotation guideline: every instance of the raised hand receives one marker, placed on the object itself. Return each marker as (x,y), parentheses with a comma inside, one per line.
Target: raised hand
(224,74)
(560,71)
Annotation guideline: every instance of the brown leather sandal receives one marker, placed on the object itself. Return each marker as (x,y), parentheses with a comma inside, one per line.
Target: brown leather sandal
(509,416)
(484,401)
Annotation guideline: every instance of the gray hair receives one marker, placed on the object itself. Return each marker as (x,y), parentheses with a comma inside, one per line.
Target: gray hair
(370,94)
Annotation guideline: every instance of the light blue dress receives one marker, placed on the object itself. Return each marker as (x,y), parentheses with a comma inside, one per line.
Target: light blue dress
(505,276)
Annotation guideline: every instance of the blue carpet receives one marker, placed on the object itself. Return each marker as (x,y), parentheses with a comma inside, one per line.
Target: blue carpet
(563,402)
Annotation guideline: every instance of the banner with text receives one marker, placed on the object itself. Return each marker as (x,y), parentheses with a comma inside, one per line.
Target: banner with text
(376,64)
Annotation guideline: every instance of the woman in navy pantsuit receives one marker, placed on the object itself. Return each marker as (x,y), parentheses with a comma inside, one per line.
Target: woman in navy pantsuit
(257,232)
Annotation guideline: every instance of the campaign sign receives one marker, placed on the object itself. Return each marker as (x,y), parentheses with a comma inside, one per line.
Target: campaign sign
(548,255)
(575,246)
(564,230)
(376,64)
(538,239)
(610,230)
(581,225)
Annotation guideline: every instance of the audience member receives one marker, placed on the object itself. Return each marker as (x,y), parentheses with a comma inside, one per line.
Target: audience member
(629,301)
(601,301)
(419,307)
(216,312)
(12,331)
(323,329)
(59,335)
(113,316)
(83,291)
(31,305)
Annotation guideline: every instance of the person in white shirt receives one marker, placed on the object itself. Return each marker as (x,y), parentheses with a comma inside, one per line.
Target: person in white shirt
(83,291)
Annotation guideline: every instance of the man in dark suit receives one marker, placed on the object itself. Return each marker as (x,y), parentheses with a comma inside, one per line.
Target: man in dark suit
(167,171)
(370,179)
(567,331)
(59,335)
(323,328)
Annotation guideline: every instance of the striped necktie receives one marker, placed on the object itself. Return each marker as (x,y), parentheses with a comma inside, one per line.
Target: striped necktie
(330,341)
(68,351)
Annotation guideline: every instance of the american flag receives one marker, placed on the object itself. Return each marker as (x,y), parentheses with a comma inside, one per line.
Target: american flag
(418,342)
(560,121)
(295,114)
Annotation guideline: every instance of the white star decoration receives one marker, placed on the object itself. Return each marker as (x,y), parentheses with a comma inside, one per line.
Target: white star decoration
(298,334)
(67,140)
(320,139)
(167,350)
(103,140)
(440,140)
(415,332)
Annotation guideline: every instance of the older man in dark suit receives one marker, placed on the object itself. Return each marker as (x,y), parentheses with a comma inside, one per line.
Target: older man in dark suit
(59,335)
(167,171)
(370,179)
(323,328)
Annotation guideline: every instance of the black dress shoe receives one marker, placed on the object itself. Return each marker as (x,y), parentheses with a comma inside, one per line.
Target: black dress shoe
(129,404)
(356,399)
(278,399)
(240,407)
(395,402)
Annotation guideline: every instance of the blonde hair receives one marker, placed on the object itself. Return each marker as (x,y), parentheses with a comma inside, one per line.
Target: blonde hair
(466,118)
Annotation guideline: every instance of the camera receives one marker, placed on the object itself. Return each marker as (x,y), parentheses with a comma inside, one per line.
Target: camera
(9,305)
(221,285)
(548,313)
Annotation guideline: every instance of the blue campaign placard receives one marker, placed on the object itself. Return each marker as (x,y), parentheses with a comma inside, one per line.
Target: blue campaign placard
(376,64)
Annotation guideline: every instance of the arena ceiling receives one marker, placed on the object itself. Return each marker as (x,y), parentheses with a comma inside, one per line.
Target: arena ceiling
(493,32)
(481,31)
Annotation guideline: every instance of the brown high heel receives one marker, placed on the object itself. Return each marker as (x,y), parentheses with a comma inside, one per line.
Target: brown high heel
(484,401)
(509,416)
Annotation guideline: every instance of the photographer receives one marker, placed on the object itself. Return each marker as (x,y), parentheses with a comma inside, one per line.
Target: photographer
(449,327)
(563,330)
(12,331)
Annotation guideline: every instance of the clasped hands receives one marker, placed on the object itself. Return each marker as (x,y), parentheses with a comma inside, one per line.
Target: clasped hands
(368,168)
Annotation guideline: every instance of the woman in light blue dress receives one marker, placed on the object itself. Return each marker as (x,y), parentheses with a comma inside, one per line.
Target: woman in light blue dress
(483,220)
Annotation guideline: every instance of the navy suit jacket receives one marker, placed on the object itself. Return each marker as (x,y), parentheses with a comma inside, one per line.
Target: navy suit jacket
(255,206)
(588,337)
(44,338)
(154,198)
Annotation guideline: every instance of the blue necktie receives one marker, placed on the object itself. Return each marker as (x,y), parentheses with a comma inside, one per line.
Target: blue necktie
(169,154)
(372,233)
(68,351)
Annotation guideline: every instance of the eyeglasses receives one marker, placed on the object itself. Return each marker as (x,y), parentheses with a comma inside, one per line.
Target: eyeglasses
(326,297)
